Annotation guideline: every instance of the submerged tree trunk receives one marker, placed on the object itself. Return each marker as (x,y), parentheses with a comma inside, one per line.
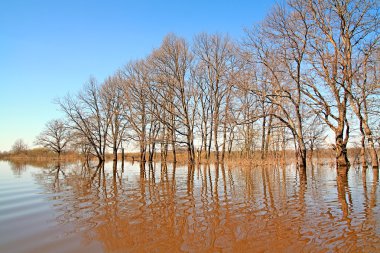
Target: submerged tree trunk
(151,151)
(114,152)
(363,149)
(302,156)
(372,152)
(122,159)
(341,152)
(163,145)
(100,160)
(190,151)
(371,147)
(174,152)
(142,152)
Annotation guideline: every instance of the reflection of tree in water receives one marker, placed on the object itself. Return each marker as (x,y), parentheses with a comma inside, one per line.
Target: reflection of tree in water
(370,202)
(18,167)
(52,175)
(344,194)
(139,213)
(358,228)
(158,207)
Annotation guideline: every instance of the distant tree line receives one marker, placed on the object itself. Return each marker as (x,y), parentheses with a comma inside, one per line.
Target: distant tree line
(307,68)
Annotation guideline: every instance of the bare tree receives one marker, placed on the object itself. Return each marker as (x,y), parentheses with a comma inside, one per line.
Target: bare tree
(279,47)
(80,143)
(315,135)
(364,89)
(113,101)
(172,91)
(86,115)
(308,61)
(204,110)
(246,110)
(340,31)
(56,136)
(136,88)
(215,52)
(19,146)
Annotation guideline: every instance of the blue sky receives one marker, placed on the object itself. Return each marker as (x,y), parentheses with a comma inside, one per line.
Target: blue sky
(49,48)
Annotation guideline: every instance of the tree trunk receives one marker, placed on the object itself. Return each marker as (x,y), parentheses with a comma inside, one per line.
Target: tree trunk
(372,152)
(225,126)
(164,151)
(263,138)
(363,153)
(224,140)
(152,148)
(311,153)
(100,159)
(371,147)
(114,153)
(174,152)
(164,145)
(122,158)
(230,142)
(204,140)
(362,150)
(114,167)
(268,135)
(341,152)
(142,152)
(190,152)
(302,157)
(216,139)
(172,133)
(210,137)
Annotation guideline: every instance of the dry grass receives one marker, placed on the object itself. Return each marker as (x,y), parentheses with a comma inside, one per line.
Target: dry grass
(236,158)
(40,154)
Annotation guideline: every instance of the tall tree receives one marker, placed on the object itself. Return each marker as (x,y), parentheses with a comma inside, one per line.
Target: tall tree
(172,91)
(340,29)
(365,88)
(279,46)
(216,54)
(136,89)
(56,136)
(85,113)
(114,103)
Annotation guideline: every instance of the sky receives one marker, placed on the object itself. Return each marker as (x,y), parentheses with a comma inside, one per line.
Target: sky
(50,48)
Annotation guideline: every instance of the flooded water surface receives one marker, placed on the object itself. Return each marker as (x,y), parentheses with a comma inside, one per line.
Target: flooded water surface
(208,208)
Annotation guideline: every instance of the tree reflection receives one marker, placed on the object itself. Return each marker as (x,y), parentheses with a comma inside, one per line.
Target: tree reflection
(375,182)
(343,193)
(17,167)
(58,170)
(195,208)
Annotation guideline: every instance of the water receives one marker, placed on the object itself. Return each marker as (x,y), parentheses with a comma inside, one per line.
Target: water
(71,208)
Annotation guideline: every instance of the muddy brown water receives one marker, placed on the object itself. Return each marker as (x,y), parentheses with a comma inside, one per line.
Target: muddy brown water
(213,208)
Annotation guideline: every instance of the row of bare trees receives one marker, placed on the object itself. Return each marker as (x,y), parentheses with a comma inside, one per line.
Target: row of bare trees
(308,66)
